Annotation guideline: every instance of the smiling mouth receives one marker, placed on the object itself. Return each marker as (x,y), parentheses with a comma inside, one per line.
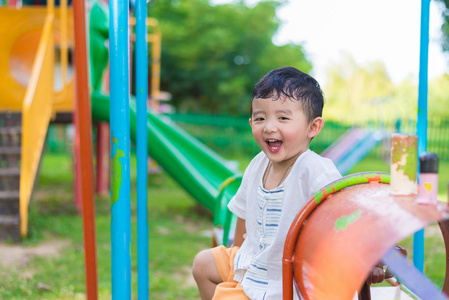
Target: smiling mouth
(274,145)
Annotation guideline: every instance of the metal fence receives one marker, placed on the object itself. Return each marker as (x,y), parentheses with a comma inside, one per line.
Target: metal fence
(230,136)
(438,138)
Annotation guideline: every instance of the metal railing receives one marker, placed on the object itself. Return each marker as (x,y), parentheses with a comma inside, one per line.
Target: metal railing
(36,113)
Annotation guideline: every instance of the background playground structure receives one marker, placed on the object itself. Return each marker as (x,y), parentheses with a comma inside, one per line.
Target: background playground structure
(15,76)
(28,101)
(200,171)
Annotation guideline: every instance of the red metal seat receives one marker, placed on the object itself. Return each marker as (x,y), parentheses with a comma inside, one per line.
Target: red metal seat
(344,230)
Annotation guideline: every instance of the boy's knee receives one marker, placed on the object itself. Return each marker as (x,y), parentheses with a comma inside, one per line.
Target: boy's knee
(201,262)
(205,273)
(204,267)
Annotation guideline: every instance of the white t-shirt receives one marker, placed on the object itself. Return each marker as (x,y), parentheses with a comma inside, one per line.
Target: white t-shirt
(268,215)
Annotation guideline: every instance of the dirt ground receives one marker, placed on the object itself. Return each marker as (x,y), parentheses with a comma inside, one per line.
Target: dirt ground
(17,255)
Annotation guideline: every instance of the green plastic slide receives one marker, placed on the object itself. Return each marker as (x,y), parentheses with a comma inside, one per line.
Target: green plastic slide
(206,176)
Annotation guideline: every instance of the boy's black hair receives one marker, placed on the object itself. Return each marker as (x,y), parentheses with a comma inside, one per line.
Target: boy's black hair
(288,82)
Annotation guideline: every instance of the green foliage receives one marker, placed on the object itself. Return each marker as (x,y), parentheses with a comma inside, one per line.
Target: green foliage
(445,26)
(212,56)
(365,94)
(364,89)
(439,97)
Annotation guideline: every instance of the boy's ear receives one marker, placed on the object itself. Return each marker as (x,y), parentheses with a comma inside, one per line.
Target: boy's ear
(250,122)
(315,127)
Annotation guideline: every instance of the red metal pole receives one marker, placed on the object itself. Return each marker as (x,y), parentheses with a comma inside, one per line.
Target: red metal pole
(103,148)
(77,195)
(102,186)
(84,122)
(13,3)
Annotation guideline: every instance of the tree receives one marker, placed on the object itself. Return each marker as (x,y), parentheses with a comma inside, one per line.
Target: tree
(357,94)
(439,97)
(213,55)
(445,27)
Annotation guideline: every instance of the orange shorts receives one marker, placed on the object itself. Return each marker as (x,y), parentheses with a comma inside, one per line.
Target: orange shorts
(229,288)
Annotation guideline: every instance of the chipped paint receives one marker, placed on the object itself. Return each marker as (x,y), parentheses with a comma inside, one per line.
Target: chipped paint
(404,155)
(116,170)
(349,181)
(326,191)
(376,178)
(404,164)
(343,222)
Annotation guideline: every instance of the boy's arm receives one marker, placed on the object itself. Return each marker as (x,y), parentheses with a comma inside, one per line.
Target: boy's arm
(240,230)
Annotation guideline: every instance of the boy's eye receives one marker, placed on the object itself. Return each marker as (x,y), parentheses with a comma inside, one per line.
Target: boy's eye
(283,118)
(259,119)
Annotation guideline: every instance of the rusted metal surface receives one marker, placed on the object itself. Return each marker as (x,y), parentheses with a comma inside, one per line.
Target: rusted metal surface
(339,240)
(84,127)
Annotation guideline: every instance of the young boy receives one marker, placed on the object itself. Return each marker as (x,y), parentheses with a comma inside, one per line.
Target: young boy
(286,113)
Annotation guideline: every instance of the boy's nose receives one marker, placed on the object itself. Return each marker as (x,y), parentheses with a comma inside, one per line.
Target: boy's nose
(270,127)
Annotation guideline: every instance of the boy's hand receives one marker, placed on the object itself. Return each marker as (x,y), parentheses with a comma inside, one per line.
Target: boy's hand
(377,275)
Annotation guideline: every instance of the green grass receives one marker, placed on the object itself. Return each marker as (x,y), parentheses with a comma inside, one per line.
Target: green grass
(178,229)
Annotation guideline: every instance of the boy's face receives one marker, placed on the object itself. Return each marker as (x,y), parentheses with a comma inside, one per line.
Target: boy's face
(281,128)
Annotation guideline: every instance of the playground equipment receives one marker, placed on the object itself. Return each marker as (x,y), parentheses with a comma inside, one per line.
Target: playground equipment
(30,76)
(352,147)
(317,244)
(204,171)
(346,228)
(199,170)
(29,99)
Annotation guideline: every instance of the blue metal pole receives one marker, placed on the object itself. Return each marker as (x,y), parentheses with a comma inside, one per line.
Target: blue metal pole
(120,148)
(421,124)
(141,151)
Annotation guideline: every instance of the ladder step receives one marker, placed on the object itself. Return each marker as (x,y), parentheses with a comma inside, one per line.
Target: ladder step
(10,150)
(15,130)
(9,195)
(9,172)
(8,119)
(9,220)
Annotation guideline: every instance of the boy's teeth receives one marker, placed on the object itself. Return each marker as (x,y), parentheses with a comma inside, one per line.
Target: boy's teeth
(274,144)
